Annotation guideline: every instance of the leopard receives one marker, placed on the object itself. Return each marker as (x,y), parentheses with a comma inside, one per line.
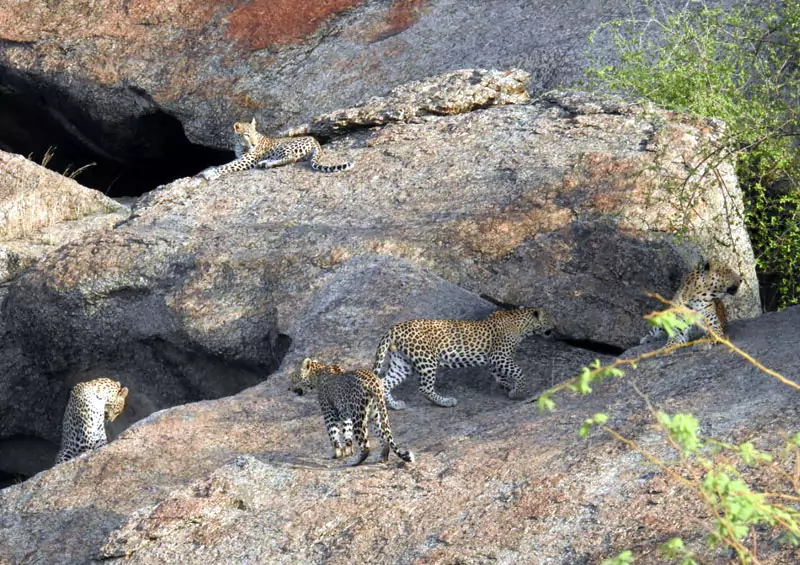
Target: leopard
(421,346)
(90,404)
(349,399)
(702,290)
(256,150)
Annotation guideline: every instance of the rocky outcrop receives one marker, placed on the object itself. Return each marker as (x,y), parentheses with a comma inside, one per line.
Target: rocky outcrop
(568,204)
(41,210)
(125,81)
(248,479)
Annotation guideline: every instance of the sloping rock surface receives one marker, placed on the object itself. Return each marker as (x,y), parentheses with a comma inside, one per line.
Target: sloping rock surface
(103,70)
(41,210)
(247,479)
(567,204)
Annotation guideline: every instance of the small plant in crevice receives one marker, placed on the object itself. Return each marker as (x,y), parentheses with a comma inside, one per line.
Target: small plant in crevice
(72,174)
(719,475)
(740,64)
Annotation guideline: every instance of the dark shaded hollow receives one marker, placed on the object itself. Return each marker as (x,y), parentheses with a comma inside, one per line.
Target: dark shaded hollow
(141,149)
(596,346)
(22,456)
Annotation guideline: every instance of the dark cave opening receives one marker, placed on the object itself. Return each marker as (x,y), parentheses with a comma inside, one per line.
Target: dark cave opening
(10,479)
(22,456)
(596,346)
(142,148)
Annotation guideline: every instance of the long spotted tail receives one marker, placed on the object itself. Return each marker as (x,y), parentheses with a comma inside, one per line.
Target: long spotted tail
(382,356)
(381,418)
(315,164)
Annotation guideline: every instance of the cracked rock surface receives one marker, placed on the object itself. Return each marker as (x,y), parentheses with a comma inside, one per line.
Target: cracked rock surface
(211,63)
(566,202)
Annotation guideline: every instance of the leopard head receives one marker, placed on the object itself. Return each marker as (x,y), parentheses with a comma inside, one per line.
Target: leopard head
(116,404)
(525,321)
(247,133)
(709,281)
(309,374)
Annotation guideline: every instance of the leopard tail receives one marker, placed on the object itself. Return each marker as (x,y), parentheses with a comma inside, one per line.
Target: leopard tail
(382,356)
(382,417)
(316,153)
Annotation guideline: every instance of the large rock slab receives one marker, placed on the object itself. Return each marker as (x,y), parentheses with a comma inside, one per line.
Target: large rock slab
(102,72)
(41,210)
(248,479)
(553,204)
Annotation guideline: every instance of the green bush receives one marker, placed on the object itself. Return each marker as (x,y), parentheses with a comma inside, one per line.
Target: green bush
(741,65)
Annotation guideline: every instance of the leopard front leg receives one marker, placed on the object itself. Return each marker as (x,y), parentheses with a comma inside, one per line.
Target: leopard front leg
(247,161)
(652,336)
(678,337)
(509,375)
(426,369)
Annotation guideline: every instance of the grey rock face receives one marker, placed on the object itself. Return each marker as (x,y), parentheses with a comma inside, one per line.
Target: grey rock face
(552,204)
(41,210)
(118,65)
(248,478)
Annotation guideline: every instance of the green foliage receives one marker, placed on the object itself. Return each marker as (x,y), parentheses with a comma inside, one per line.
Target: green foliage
(709,469)
(672,323)
(594,373)
(545,403)
(624,558)
(751,456)
(738,509)
(683,429)
(739,64)
(597,420)
(675,550)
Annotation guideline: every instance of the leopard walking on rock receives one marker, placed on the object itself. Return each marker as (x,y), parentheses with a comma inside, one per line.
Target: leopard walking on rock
(421,346)
(349,399)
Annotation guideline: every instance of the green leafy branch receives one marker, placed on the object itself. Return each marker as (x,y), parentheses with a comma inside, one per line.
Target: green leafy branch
(735,509)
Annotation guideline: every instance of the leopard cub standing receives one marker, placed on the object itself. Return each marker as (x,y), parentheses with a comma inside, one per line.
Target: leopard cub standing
(349,399)
(90,404)
(702,290)
(421,346)
(256,150)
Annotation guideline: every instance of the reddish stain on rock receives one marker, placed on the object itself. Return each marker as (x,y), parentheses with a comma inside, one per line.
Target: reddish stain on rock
(262,23)
(401,15)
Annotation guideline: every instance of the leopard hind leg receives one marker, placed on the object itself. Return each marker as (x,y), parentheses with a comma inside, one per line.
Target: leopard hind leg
(399,370)
(426,369)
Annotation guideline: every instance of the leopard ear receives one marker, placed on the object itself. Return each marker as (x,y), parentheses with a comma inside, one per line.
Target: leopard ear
(707,266)
(253,122)
(536,314)
(123,393)
(306,363)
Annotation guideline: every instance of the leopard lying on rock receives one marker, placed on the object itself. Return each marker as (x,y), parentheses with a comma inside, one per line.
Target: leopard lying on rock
(256,150)
(702,290)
